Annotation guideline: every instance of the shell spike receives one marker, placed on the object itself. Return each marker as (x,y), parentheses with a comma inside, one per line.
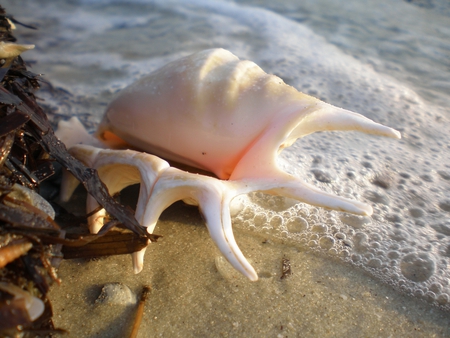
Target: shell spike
(117,172)
(138,260)
(213,197)
(85,153)
(96,220)
(309,194)
(72,132)
(216,212)
(87,156)
(283,184)
(68,185)
(260,160)
(330,118)
(125,168)
(171,186)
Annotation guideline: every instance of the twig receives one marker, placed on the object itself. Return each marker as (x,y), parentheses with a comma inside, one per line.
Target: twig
(140,312)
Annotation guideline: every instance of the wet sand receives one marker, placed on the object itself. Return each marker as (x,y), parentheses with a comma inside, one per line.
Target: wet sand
(190,297)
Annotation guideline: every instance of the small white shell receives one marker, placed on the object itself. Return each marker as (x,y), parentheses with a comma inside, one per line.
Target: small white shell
(34,305)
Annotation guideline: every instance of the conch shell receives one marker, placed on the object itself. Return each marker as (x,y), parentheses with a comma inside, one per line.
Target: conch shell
(212,111)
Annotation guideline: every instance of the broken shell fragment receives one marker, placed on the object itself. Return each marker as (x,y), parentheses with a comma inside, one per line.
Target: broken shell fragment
(10,50)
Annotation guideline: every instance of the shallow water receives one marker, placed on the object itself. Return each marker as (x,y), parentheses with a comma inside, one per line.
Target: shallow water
(388,60)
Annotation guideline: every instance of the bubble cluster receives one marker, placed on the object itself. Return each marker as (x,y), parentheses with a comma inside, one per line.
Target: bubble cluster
(406,242)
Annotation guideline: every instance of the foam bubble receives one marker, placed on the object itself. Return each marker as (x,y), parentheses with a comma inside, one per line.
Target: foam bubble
(276,221)
(418,267)
(340,235)
(399,235)
(355,221)
(326,242)
(319,228)
(443,299)
(260,219)
(445,204)
(323,176)
(377,197)
(360,240)
(416,212)
(436,287)
(445,174)
(442,227)
(374,263)
(297,224)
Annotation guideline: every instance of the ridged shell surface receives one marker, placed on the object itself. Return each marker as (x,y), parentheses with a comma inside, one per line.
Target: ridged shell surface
(204,110)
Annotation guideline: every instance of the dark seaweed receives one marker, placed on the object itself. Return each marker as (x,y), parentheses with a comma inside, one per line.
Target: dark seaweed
(28,151)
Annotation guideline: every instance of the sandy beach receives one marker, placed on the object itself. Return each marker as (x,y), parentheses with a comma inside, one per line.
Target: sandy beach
(191,298)
(387,61)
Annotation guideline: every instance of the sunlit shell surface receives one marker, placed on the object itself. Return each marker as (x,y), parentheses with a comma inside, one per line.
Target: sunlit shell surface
(211,111)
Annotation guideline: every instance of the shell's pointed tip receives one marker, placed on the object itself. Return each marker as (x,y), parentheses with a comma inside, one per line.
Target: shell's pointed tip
(138,260)
(366,210)
(391,132)
(397,134)
(27,47)
(369,211)
(137,268)
(253,276)
(358,208)
(249,272)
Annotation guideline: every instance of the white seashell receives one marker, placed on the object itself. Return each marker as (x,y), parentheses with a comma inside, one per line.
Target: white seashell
(34,306)
(215,112)
(11,50)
